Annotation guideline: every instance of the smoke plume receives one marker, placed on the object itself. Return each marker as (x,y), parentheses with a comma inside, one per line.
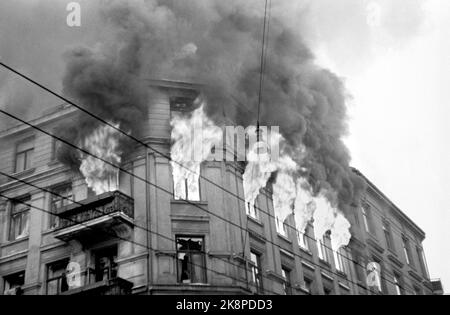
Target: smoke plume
(218,43)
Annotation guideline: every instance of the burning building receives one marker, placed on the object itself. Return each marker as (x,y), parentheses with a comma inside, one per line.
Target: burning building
(130,237)
(121,196)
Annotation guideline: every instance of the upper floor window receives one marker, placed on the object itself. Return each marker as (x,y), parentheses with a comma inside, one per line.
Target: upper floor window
(257,271)
(286,273)
(105,263)
(19,220)
(252,211)
(281,229)
(24,155)
(56,277)
(322,248)
(303,239)
(61,196)
(187,189)
(191,259)
(367,218)
(397,284)
(422,261)
(388,235)
(407,251)
(13,283)
(340,260)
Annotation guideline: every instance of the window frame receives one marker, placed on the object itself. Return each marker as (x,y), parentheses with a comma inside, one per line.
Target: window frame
(53,221)
(27,153)
(256,267)
(59,279)
(12,233)
(190,252)
(287,275)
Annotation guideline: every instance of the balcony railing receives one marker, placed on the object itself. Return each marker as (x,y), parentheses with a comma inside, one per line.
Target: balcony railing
(103,212)
(102,281)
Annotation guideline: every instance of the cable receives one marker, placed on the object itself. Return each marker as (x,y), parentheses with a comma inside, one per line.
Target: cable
(150,183)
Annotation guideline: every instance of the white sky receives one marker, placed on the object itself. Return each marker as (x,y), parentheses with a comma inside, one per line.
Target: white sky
(400,110)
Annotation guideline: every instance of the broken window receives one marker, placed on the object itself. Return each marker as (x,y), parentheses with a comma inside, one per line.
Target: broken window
(13,283)
(19,220)
(105,263)
(56,277)
(191,260)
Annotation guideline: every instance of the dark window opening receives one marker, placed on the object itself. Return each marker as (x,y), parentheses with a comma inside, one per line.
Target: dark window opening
(56,277)
(13,283)
(286,273)
(105,264)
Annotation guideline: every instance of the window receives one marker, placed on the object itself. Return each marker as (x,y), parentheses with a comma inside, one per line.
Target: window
(367,218)
(308,283)
(407,251)
(388,235)
(280,226)
(24,155)
(303,239)
(340,260)
(397,284)
(187,189)
(56,277)
(252,211)
(191,258)
(257,271)
(422,262)
(105,263)
(19,220)
(57,201)
(286,273)
(13,283)
(322,248)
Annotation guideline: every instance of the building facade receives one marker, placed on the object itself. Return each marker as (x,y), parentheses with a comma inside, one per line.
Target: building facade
(57,237)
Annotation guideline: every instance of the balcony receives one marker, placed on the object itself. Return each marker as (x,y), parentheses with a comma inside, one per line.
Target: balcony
(92,282)
(101,217)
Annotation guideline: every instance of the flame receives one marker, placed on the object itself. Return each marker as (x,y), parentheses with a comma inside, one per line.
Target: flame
(259,169)
(103,143)
(193,137)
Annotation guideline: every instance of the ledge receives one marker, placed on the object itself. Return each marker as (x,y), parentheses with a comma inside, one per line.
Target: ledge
(396,261)
(274,276)
(309,266)
(415,275)
(327,276)
(375,245)
(254,220)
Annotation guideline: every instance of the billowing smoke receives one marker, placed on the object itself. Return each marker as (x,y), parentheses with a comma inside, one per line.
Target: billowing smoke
(218,43)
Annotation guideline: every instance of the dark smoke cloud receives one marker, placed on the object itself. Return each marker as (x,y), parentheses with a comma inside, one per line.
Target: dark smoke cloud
(218,43)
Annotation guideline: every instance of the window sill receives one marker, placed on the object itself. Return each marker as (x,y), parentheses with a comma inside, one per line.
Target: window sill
(305,250)
(24,173)
(284,237)
(255,220)
(16,241)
